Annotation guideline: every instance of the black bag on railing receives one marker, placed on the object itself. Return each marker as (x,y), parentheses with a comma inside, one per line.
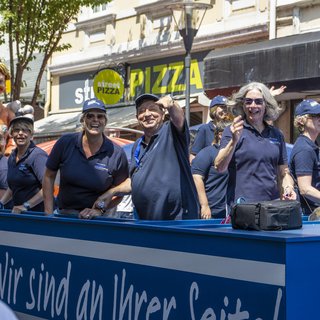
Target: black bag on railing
(267,215)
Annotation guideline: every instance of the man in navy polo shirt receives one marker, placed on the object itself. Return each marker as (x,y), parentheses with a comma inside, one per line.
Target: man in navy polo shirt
(305,158)
(161,180)
(89,165)
(205,135)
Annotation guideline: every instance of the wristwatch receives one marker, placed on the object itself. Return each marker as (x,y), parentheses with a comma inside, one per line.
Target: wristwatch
(100,205)
(27,205)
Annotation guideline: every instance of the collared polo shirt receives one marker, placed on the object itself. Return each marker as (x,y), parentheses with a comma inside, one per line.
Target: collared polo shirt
(25,176)
(161,179)
(82,179)
(305,162)
(253,169)
(215,182)
(204,137)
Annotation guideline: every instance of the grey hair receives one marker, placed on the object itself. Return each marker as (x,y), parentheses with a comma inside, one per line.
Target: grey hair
(273,110)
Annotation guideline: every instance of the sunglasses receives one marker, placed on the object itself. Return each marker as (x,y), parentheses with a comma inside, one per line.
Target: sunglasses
(258,101)
(100,116)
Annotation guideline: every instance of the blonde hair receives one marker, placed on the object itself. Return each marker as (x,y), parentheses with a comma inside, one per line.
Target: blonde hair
(300,121)
(4,70)
(272,108)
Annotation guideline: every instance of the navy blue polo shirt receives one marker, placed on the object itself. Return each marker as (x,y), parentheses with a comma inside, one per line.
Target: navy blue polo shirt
(204,137)
(3,172)
(215,182)
(305,162)
(82,179)
(161,179)
(253,169)
(25,176)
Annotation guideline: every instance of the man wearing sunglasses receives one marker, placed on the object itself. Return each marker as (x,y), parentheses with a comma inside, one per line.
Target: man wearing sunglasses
(253,151)
(161,181)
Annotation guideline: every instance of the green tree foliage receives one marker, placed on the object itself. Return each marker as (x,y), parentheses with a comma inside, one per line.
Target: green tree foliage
(35,26)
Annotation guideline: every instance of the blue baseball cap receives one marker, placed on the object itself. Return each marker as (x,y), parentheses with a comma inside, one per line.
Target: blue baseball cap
(93,104)
(308,106)
(218,100)
(145,96)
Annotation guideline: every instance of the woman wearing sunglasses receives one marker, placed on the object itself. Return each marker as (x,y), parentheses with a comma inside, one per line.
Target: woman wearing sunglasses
(304,163)
(89,165)
(254,151)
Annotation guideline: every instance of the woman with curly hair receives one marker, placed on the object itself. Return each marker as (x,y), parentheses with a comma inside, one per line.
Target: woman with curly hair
(254,151)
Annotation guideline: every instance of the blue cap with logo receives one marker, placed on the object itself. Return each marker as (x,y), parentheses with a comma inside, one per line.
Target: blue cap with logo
(308,106)
(145,96)
(218,100)
(93,104)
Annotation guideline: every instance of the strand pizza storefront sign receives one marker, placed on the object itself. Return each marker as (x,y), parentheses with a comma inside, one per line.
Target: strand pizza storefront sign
(160,77)
(108,86)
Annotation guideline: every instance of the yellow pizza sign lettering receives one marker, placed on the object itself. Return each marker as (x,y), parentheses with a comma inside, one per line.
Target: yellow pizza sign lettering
(108,86)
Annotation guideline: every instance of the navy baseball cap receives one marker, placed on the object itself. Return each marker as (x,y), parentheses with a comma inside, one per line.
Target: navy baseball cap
(145,96)
(308,106)
(93,104)
(218,100)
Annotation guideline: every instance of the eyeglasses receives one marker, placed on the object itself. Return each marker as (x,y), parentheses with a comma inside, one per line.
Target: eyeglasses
(99,116)
(258,101)
(17,130)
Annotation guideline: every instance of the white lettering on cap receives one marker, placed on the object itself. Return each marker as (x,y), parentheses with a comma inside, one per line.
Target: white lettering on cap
(91,102)
(314,103)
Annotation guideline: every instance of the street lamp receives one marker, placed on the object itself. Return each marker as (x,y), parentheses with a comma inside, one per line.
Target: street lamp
(188,16)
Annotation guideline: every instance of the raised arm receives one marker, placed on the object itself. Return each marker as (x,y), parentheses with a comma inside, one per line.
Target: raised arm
(175,112)
(225,154)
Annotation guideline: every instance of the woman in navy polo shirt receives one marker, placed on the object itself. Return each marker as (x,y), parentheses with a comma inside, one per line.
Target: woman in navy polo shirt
(254,151)
(305,162)
(205,136)
(89,165)
(211,185)
(26,166)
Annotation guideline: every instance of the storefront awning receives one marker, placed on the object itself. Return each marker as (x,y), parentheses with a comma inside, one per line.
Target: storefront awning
(284,61)
(56,124)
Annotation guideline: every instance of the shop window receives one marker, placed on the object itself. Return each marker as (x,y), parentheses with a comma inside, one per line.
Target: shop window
(101,7)
(242,4)
(97,36)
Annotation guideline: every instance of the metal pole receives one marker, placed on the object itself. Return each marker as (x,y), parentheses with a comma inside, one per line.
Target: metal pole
(187,62)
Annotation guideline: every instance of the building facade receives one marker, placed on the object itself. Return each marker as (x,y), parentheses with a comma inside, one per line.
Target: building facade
(271,41)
